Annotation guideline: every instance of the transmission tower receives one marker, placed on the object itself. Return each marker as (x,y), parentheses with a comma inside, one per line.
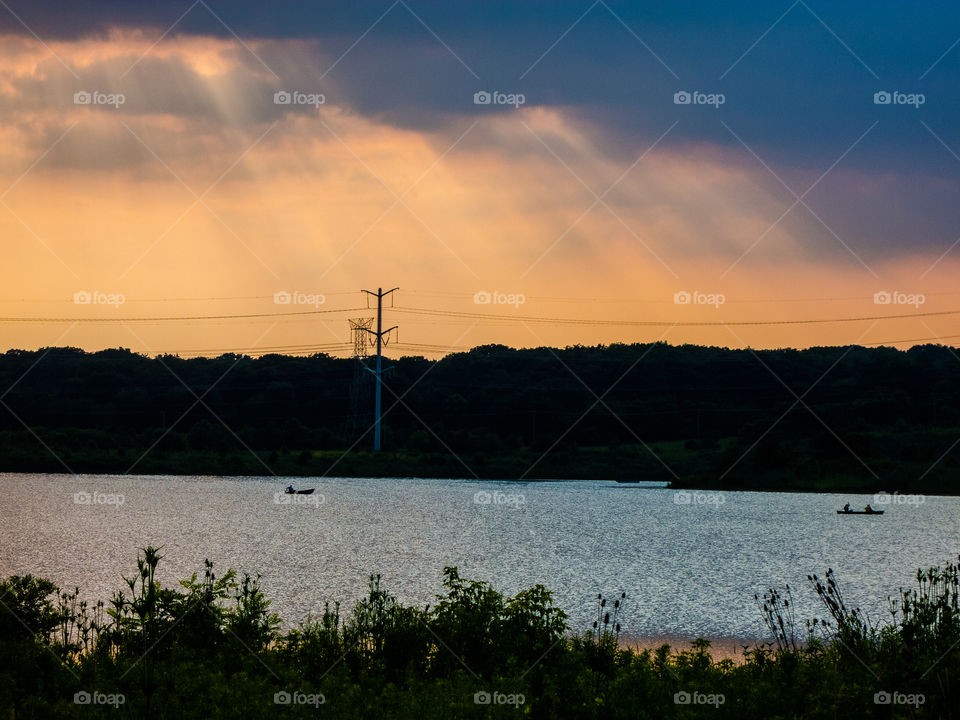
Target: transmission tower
(361,340)
(360,387)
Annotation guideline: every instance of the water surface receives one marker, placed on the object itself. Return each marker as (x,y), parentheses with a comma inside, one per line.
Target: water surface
(688,568)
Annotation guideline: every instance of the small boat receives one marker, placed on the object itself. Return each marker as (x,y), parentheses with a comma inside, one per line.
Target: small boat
(859,512)
(291,491)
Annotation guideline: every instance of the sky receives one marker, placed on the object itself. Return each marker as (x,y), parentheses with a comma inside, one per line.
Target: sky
(201,177)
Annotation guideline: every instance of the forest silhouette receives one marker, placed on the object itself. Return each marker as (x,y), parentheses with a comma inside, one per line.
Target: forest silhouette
(841,418)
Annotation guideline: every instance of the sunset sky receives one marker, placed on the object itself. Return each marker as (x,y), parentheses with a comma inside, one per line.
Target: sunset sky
(787,189)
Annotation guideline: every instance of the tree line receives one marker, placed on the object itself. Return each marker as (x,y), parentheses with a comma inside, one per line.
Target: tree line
(846,416)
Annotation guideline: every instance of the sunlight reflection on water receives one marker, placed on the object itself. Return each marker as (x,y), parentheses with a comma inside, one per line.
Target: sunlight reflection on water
(688,569)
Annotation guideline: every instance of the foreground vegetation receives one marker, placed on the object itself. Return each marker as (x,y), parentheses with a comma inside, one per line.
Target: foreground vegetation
(213,649)
(696,416)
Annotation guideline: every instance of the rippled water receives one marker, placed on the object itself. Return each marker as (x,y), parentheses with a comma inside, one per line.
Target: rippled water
(688,569)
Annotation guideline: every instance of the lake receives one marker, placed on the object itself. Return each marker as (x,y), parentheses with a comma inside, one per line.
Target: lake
(689,563)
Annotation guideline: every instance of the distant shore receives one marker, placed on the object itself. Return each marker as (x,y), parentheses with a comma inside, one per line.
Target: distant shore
(698,417)
(367,465)
(721,648)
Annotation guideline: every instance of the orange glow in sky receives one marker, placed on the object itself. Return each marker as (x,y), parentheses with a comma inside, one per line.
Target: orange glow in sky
(198,195)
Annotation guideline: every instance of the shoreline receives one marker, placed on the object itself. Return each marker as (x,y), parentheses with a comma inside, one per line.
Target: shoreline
(640,485)
(721,647)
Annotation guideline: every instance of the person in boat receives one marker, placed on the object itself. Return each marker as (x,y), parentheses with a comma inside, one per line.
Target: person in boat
(290,489)
(868,509)
(846,508)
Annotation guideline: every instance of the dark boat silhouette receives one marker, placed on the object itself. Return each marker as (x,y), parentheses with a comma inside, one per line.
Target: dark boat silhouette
(290,491)
(859,512)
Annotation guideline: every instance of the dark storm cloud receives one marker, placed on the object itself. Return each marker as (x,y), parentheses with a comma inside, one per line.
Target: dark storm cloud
(798,79)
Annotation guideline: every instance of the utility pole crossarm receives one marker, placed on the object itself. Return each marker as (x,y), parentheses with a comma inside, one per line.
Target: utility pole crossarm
(380,293)
(385,332)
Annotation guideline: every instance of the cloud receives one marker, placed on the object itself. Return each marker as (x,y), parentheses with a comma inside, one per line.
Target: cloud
(799,88)
(791,82)
(494,197)
(210,98)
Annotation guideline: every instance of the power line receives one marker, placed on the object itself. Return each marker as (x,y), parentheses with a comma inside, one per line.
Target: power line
(170,299)
(429,346)
(179,318)
(431,312)
(664,301)
(464,295)
(661,323)
(276,348)
(413,344)
(912,340)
